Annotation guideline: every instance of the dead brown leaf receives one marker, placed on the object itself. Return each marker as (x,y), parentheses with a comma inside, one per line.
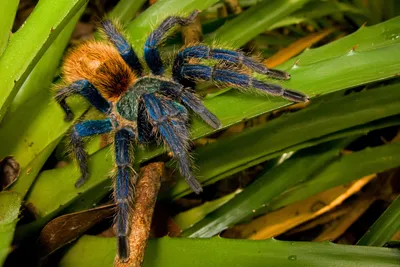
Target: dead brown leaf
(65,229)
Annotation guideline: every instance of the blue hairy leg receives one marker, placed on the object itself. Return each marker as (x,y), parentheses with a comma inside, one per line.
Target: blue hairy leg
(87,90)
(81,130)
(239,80)
(123,188)
(205,52)
(170,119)
(151,54)
(190,100)
(124,48)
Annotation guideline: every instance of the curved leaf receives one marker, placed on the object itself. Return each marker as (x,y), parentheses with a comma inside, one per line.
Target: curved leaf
(30,42)
(10,203)
(6,21)
(27,133)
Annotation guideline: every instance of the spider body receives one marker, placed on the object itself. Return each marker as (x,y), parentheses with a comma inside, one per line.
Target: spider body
(102,66)
(139,108)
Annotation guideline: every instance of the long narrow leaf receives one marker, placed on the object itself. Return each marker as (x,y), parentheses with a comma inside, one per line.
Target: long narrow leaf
(255,20)
(227,252)
(30,42)
(384,228)
(27,132)
(10,203)
(9,8)
(280,179)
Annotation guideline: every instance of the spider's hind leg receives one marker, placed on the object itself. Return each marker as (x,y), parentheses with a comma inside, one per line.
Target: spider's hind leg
(124,48)
(81,130)
(123,188)
(151,54)
(170,119)
(87,90)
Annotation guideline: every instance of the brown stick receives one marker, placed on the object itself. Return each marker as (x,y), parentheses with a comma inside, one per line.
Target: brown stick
(145,200)
(233,6)
(192,34)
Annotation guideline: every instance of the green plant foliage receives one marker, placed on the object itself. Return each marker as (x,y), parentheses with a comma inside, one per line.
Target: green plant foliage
(32,125)
(384,228)
(30,42)
(316,9)
(141,27)
(255,20)
(188,218)
(24,130)
(125,10)
(6,21)
(10,203)
(318,176)
(228,252)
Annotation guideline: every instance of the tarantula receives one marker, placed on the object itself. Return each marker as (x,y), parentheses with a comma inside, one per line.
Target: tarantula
(140,107)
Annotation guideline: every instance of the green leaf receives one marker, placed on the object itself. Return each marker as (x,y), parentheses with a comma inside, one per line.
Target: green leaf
(254,21)
(10,202)
(28,133)
(141,27)
(384,228)
(318,175)
(30,42)
(313,10)
(188,218)
(174,252)
(9,9)
(269,185)
(125,10)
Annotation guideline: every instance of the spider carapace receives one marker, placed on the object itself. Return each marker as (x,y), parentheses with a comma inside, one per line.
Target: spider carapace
(140,107)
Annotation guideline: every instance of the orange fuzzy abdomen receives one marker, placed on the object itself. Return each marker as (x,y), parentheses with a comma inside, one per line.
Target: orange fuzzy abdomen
(101,65)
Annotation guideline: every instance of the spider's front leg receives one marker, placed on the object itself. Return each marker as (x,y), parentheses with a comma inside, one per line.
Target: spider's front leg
(123,142)
(198,72)
(124,48)
(80,130)
(170,119)
(87,90)
(151,54)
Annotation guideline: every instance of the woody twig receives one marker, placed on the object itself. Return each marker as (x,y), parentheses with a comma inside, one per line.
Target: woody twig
(145,199)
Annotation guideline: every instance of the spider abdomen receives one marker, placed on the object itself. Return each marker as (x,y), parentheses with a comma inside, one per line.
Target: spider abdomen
(100,64)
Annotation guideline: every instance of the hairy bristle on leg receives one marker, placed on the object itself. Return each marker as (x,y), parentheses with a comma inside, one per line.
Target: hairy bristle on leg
(87,90)
(151,53)
(236,79)
(190,100)
(170,119)
(123,189)
(205,52)
(80,130)
(124,48)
